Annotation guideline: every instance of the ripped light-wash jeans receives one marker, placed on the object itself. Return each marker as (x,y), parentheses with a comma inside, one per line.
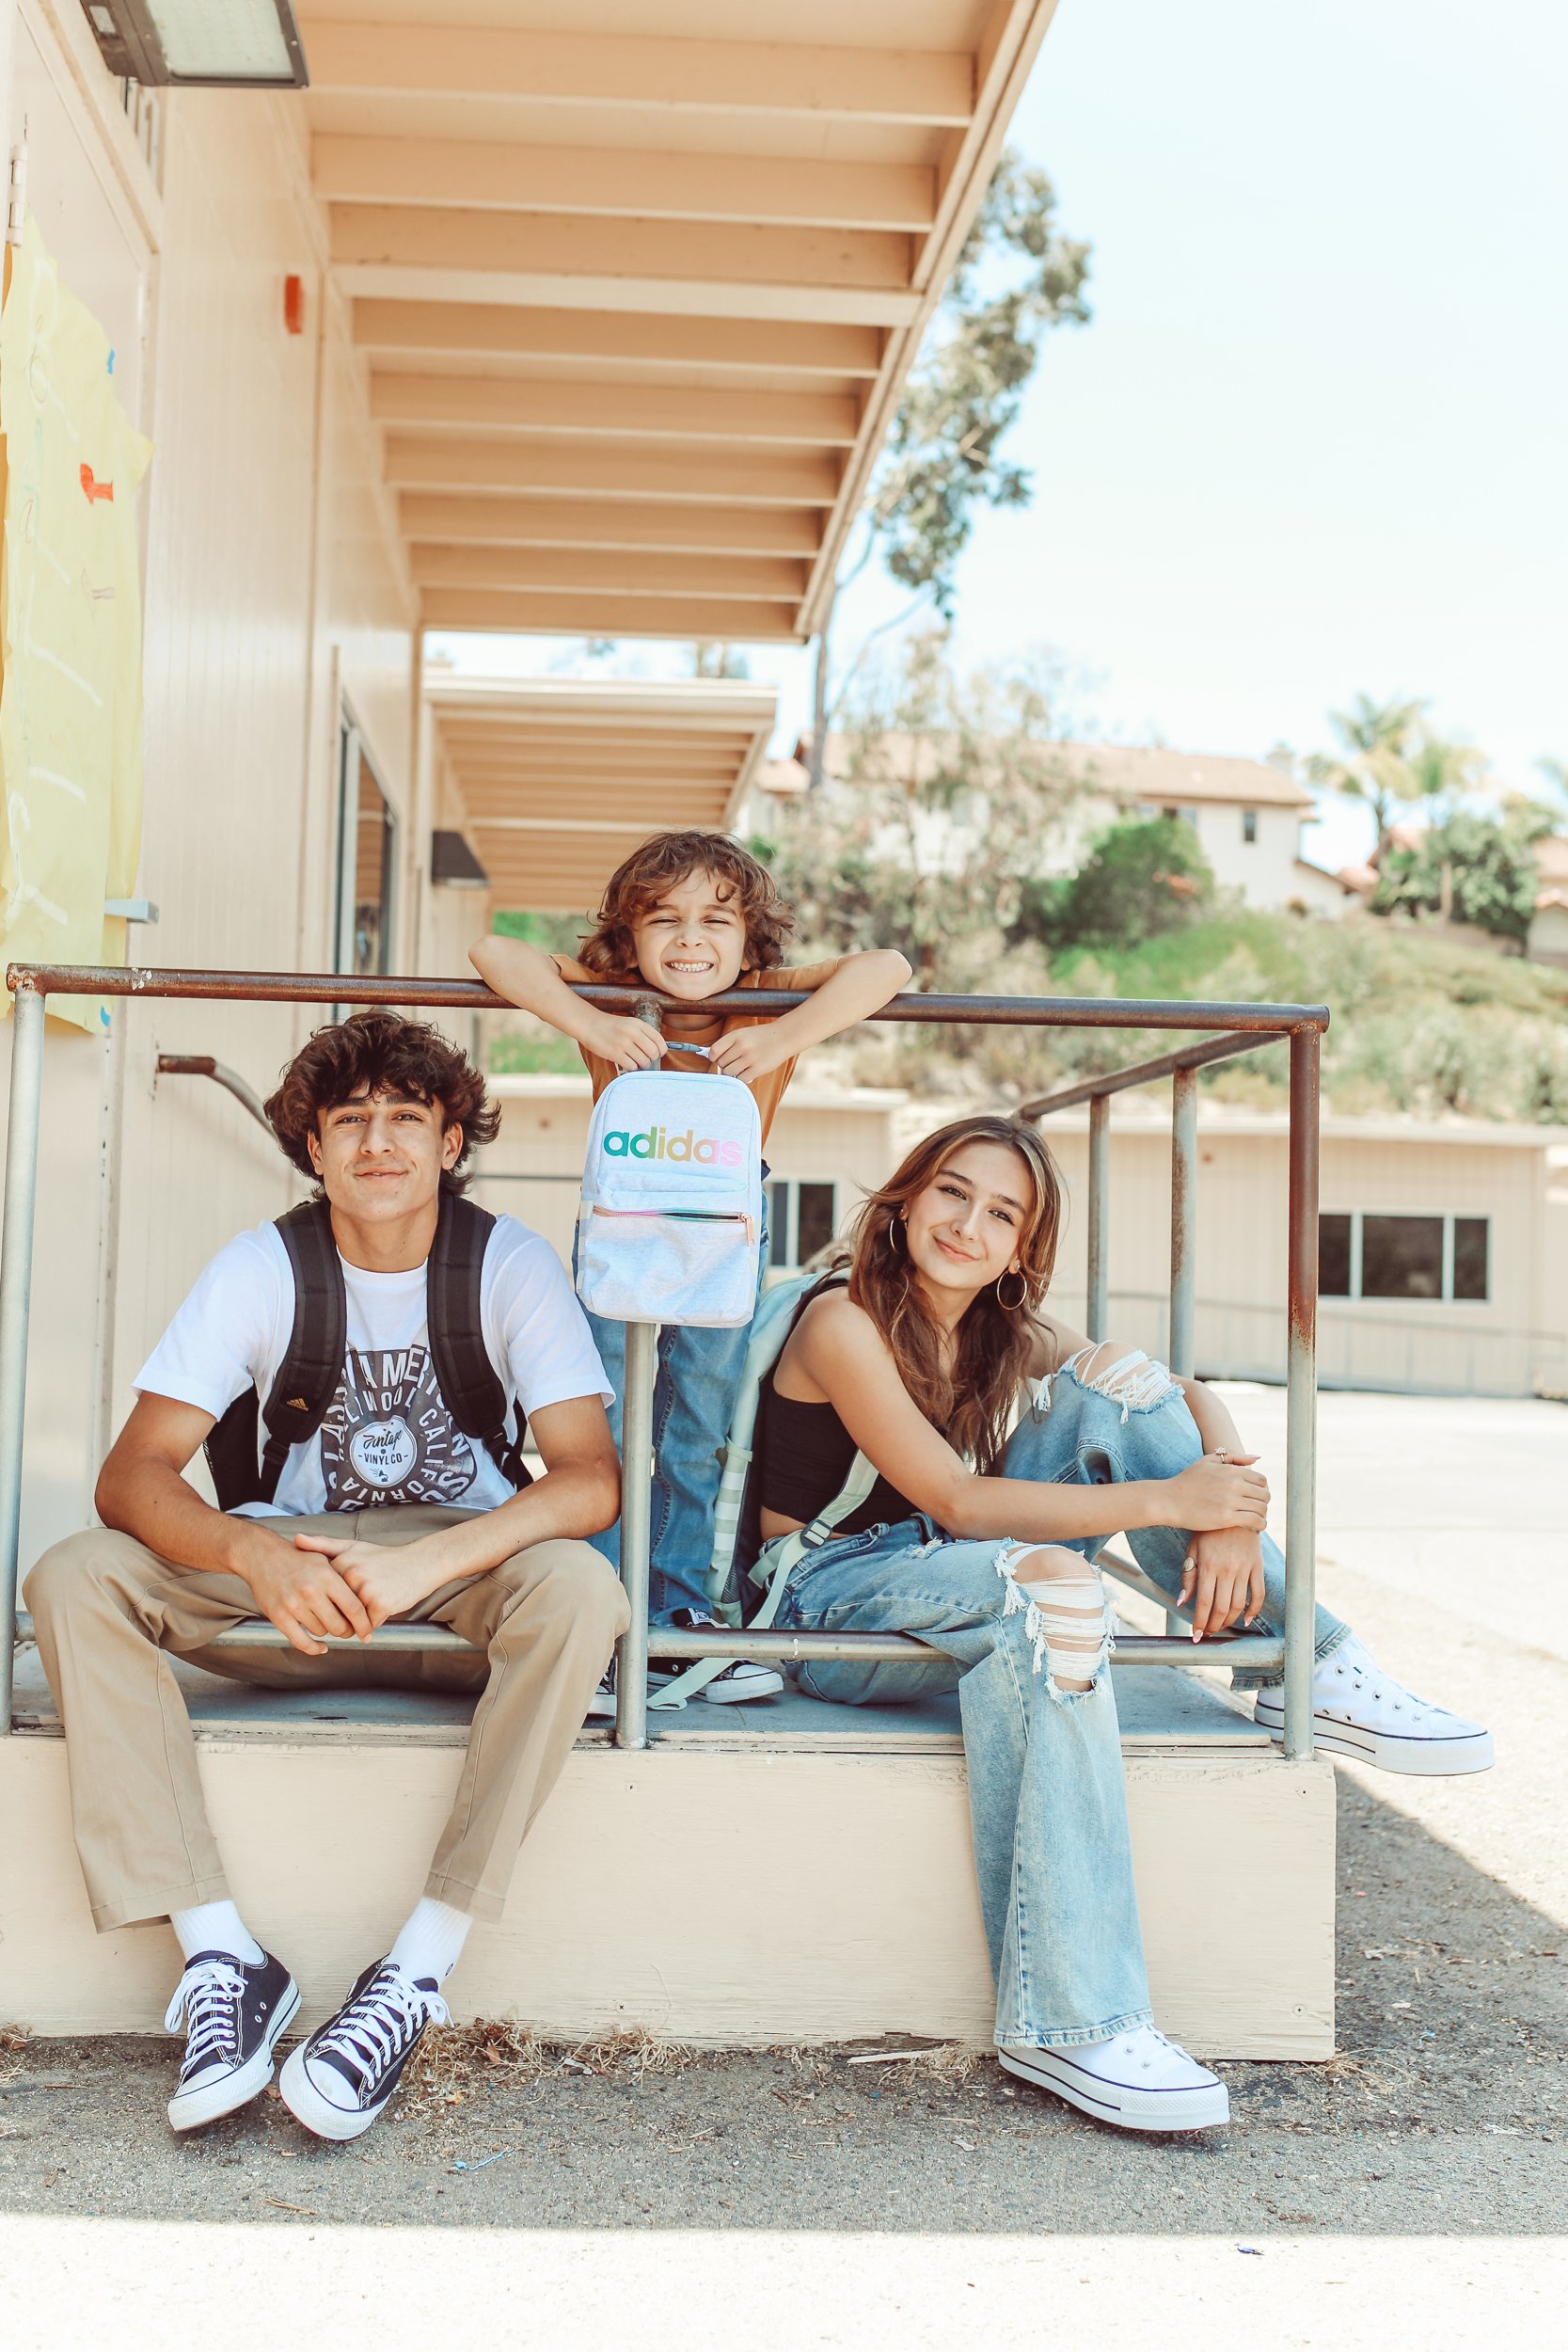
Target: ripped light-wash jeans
(1048,1803)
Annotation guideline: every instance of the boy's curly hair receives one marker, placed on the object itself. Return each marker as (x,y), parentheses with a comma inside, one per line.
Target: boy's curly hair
(640,881)
(381,1053)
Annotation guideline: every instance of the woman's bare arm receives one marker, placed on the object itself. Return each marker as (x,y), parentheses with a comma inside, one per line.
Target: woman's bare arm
(838,1357)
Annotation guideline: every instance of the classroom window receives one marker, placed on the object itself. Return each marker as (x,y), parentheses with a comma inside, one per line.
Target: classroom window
(1365,1256)
(1249,825)
(366,854)
(802,1217)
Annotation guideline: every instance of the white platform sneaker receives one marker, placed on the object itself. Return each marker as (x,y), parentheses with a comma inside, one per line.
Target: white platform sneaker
(1359,1711)
(1138,2080)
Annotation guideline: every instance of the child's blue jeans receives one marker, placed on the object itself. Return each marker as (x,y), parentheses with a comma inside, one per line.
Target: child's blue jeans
(699,1372)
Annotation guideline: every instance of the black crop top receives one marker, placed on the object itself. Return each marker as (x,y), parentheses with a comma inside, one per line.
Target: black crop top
(803,1454)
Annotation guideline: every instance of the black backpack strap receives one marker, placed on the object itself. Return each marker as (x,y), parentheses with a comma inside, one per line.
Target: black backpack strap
(307,1379)
(476,1396)
(312,1364)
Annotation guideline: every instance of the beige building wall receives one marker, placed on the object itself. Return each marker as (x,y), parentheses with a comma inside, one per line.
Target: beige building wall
(1512,1343)
(275,595)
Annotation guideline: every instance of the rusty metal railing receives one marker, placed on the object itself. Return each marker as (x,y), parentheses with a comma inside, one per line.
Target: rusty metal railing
(1228,1029)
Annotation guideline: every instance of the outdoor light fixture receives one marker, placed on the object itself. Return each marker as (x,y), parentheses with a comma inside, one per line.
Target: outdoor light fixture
(195,45)
(455,864)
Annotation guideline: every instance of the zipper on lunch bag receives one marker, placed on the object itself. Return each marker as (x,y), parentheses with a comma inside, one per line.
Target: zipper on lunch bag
(690,1216)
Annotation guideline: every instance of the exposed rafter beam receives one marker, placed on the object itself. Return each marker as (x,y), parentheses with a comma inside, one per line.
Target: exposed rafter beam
(645,574)
(490,176)
(647,71)
(572,262)
(561,614)
(591,468)
(561,522)
(656,412)
(502,330)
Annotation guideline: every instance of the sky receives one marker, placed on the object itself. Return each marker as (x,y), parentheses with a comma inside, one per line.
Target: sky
(1312,442)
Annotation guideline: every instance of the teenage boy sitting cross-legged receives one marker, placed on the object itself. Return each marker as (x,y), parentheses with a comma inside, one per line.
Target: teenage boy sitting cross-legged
(386,1510)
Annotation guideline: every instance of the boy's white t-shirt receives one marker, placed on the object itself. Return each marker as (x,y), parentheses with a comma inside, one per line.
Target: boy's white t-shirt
(387,1435)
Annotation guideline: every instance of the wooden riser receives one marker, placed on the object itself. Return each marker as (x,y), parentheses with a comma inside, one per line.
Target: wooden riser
(705,1895)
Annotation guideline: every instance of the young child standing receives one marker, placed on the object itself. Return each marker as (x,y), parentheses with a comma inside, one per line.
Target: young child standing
(691,915)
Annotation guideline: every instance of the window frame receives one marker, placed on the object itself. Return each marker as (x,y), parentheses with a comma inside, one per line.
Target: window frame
(353,754)
(1249,828)
(788,1230)
(1448,1219)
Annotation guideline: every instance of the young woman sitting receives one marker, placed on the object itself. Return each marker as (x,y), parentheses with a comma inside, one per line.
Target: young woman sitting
(978,1537)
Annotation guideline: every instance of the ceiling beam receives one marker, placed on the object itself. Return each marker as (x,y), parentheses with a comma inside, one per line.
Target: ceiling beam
(565,613)
(561,522)
(541,770)
(695,296)
(754,269)
(604,470)
(647,71)
(486,175)
(568,826)
(648,575)
(502,331)
(653,412)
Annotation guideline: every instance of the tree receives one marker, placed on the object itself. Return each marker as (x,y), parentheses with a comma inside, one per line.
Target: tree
(941,461)
(712,658)
(950,794)
(1438,775)
(1141,878)
(1483,865)
(1371,762)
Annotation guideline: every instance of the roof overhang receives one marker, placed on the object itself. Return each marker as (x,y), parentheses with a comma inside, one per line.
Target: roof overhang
(637,297)
(559,780)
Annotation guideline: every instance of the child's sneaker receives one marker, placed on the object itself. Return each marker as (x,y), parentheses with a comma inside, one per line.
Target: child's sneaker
(338,2082)
(1137,2080)
(745,1679)
(1359,1711)
(233,2014)
(601,1706)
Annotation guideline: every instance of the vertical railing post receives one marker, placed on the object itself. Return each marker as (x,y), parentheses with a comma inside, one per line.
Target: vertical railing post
(1301,1406)
(637,1468)
(636,1450)
(1098,1310)
(1184,1222)
(1183,1241)
(16,1278)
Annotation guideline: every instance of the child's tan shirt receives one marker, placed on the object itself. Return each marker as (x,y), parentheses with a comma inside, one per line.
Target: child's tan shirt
(769,1088)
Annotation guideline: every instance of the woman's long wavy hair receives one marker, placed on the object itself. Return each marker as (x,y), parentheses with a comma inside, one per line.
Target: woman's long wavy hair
(972,1404)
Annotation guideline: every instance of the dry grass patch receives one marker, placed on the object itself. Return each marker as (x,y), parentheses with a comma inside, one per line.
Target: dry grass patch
(453,2059)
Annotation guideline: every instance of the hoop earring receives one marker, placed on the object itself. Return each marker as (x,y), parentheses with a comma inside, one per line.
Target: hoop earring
(893,1235)
(1018,1302)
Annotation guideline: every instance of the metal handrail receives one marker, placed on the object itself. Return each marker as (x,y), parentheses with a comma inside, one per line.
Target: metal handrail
(1234,1028)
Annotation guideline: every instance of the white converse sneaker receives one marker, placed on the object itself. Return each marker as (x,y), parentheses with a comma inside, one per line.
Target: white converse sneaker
(1359,1711)
(1137,2080)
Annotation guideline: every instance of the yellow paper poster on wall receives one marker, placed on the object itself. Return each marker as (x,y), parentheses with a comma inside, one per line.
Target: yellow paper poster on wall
(70,695)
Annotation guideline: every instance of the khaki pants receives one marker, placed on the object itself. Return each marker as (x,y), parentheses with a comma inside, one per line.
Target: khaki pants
(106,1609)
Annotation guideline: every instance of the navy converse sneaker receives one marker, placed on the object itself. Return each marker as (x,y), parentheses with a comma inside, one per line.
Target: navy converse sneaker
(746,1679)
(233,2014)
(338,2082)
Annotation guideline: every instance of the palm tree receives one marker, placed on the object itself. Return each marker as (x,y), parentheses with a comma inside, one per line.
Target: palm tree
(1373,759)
(1439,775)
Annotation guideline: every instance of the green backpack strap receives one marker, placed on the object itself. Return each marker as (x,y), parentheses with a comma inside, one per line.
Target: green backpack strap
(857,1485)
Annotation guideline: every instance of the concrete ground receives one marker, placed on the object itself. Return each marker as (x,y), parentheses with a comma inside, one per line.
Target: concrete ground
(1412,2190)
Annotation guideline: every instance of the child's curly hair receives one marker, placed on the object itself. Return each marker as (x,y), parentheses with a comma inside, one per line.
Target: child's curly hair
(641,880)
(381,1053)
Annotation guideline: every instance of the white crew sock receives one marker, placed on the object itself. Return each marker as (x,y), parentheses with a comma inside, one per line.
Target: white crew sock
(216,1927)
(431,1939)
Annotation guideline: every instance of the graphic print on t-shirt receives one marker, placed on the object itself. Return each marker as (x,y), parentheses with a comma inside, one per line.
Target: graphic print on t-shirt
(389,1437)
